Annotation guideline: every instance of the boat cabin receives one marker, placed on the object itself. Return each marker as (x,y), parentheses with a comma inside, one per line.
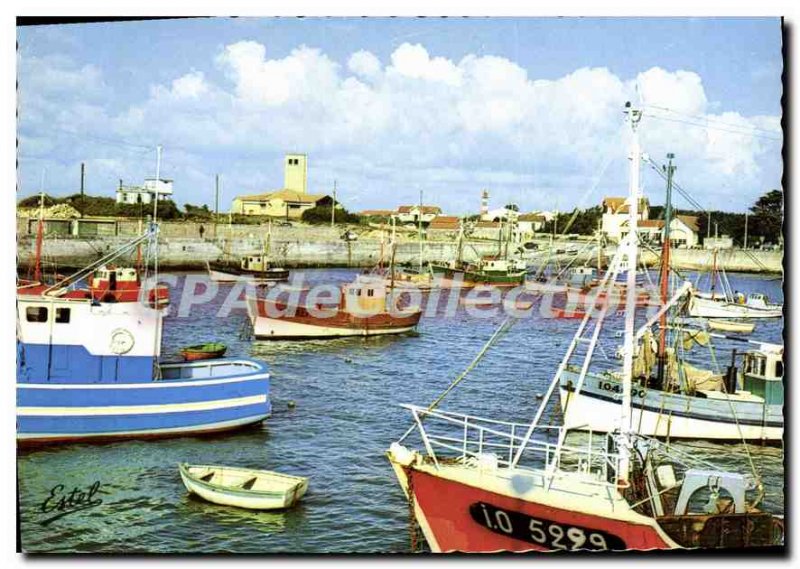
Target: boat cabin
(255,263)
(501,265)
(758,300)
(763,373)
(365,295)
(66,340)
(114,278)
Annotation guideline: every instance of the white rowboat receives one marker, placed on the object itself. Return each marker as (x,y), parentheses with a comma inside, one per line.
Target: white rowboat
(243,487)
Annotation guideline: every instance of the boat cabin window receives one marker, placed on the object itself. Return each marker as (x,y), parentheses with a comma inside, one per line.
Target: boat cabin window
(779,369)
(370,292)
(36,314)
(62,315)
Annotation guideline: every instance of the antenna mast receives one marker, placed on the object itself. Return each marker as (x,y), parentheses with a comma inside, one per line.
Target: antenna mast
(631,245)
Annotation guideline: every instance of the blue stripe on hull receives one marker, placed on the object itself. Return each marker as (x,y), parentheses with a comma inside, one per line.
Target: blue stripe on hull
(109,425)
(77,396)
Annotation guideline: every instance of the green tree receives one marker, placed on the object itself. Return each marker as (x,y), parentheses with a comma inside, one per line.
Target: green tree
(767,220)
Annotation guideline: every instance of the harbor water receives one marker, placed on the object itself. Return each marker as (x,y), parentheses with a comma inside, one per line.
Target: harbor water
(335,411)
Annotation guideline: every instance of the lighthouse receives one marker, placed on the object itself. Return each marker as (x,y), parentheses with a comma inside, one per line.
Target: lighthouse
(484,203)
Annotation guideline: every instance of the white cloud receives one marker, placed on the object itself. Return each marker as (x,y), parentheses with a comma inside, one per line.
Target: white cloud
(364,64)
(190,86)
(417,121)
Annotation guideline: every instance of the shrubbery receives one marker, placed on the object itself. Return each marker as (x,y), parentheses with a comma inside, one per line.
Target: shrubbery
(322,214)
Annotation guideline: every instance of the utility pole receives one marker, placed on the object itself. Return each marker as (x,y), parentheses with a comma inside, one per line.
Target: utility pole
(83,178)
(745,230)
(155,188)
(216,203)
(708,229)
(333,209)
(419,229)
(716,230)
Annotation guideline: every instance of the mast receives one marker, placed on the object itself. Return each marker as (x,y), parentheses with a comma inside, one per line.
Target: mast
(419,231)
(37,263)
(713,272)
(665,253)
(630,247)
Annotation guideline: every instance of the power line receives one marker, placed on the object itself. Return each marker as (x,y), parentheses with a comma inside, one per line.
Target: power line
(709,127)
(710,119)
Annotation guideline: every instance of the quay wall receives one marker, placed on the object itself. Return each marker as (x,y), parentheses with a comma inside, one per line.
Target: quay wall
(322,247)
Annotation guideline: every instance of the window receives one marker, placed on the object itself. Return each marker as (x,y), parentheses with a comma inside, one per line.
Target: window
(62,315)
(36,314)
(370,292)
(779,369)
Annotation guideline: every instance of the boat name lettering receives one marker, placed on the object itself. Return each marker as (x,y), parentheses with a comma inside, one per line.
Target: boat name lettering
(61,503)
(617,388)
(541,531)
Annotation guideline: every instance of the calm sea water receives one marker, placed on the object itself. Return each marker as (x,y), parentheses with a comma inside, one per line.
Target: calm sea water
(346,395)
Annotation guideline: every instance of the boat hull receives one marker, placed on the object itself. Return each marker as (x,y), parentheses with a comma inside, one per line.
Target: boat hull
(472,278)
(187,404)
(707,308)
(228,274)
(302,325)
(480,517)
(667,415)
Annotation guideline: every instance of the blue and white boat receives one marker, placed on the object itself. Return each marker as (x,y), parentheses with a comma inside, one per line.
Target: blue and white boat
(89,370)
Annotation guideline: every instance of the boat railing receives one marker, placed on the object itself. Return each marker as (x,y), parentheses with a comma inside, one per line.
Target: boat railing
(208,369)
(479,441)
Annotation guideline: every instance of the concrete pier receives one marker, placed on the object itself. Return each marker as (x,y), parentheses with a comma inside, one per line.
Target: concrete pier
(304,250)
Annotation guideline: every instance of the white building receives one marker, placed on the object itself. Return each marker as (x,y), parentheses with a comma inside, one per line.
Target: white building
(615,216)
(511,211)
(416,213)
(683,231)
(144,194)
(529,223)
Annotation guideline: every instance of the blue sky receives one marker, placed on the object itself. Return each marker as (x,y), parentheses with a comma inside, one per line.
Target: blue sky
(528,108)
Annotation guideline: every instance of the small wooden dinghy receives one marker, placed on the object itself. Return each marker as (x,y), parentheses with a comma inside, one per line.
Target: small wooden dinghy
(731,326)
(243,487)
(203,351)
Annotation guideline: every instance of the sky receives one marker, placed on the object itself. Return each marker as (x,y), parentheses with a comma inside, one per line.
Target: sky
(529,108)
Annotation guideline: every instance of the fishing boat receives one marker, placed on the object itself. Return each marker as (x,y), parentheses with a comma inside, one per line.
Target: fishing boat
(254,268)
(756,305)
(731,326)
(502,269)
(203,351)
(675,399)
(486,485)
(727,303)
(243,487)
(364,307)
(89,369)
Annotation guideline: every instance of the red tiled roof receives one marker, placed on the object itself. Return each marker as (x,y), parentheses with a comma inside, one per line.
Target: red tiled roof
(657,223)
(444,222)
(425,209)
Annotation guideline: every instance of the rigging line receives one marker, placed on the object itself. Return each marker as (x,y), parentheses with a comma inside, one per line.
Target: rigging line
(709,127)
(117,141)
(711,119)
(693,202)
